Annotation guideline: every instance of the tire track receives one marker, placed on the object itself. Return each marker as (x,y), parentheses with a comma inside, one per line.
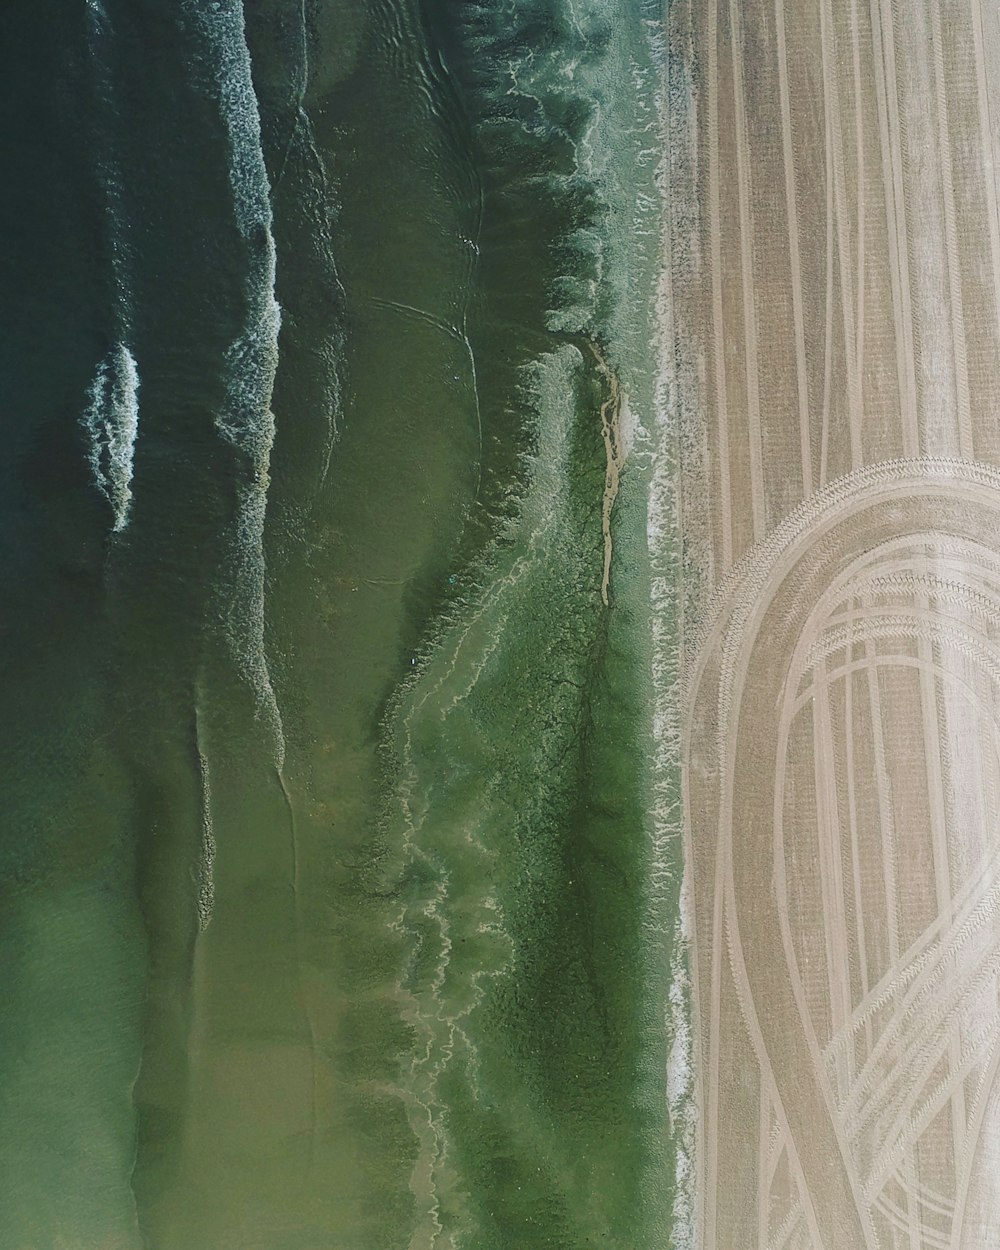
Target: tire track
(831,875)
(888,111)
(758,507)
(835,146)
(986,133)
(956,309)
(801,361)
(749,601)
(718,324)
(861,203)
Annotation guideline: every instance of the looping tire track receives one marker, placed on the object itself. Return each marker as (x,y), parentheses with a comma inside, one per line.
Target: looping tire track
(787,571)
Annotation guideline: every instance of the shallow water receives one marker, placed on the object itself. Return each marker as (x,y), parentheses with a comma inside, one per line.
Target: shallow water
(339,887)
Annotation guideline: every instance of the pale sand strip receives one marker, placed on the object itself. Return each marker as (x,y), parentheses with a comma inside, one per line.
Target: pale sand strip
(718,330)
(861,206)
(801,364)
(835,148)
(963,408)
(757,505)
(857,882)
(934,747)
(893,190)
(832,885)
(986,136)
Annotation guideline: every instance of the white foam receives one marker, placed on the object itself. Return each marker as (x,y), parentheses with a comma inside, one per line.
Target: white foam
(671,415)
(252,360)
(246,420)
(111,417)
(206,863)
(111,420)
(107,126)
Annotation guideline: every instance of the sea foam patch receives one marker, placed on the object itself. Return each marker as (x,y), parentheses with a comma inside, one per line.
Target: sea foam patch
(111,420)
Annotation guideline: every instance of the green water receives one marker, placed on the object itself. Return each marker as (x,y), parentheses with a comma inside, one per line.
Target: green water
(336,912)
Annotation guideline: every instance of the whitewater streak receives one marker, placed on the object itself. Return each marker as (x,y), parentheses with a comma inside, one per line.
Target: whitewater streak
(206,865)
(111,420)
(673,435)
(246,421)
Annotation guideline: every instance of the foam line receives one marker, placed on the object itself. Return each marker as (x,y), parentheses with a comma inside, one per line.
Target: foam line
(111,420)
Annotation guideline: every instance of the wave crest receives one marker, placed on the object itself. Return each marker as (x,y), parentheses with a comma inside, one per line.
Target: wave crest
(111,420)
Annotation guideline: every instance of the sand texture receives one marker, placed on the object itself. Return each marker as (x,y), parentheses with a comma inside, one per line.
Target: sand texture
(836,297)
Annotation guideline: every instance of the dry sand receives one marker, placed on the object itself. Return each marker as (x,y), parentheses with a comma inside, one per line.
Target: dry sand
(836,288)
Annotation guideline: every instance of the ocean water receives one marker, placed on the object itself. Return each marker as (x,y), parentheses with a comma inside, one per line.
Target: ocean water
(339,870)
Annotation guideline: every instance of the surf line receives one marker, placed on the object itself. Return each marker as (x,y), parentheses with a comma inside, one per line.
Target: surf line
(611,433)
(110,418)
(204,876)
(246,420)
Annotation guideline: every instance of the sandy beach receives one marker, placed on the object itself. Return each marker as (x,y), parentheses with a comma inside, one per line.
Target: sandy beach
(836,288)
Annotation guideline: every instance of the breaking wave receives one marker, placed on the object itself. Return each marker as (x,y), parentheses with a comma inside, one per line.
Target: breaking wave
(245,421)
(111,417)
(111,420)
